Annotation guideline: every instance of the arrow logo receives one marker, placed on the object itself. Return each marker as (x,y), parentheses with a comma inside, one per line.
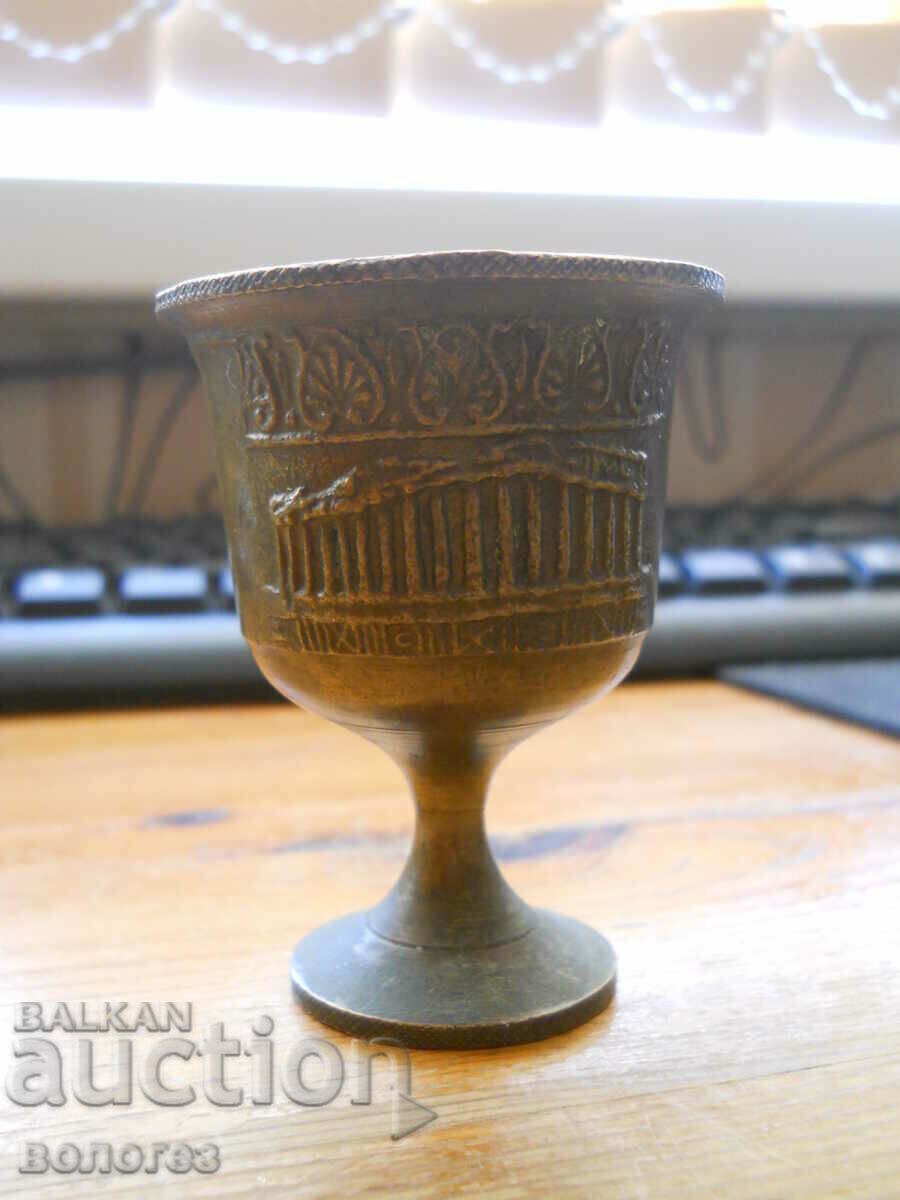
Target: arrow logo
(408,1115)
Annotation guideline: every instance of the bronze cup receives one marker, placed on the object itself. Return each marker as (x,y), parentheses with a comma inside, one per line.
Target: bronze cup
(443,479)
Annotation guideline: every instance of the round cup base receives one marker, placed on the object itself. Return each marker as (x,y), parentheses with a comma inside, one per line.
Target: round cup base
(554,977)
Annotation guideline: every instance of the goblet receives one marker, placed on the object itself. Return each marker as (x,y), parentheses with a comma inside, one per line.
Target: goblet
(443,480)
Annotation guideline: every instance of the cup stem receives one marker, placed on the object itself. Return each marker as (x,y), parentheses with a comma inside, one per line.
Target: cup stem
(451,892)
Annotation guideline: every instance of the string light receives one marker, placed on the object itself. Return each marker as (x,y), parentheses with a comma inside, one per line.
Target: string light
(315,54)
(742,84)
(881,109)
(74,52)
(603,25)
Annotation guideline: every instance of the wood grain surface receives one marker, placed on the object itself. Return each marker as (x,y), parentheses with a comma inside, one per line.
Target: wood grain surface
(743,856)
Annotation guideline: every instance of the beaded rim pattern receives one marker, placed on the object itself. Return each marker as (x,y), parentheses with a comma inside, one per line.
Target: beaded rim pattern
(447,265)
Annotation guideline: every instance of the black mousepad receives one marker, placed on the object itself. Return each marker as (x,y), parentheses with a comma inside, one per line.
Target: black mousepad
(864,690)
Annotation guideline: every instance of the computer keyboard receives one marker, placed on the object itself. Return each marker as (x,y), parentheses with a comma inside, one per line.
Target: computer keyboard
(141,605)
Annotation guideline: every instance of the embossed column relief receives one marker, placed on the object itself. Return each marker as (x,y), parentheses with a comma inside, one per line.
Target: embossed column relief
(518,523)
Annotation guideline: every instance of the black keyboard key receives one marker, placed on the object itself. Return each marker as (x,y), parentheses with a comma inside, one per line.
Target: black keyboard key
(59,591)
(163,589)
(808,568)
(671,579)
(725,571)
(877,562)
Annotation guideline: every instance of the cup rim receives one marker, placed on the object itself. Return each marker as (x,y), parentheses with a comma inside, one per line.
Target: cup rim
(447,265)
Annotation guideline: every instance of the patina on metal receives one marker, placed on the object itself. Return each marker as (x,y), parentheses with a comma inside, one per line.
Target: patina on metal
(443,480)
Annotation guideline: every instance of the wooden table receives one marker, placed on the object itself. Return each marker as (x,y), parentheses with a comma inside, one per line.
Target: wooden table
(743,856)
